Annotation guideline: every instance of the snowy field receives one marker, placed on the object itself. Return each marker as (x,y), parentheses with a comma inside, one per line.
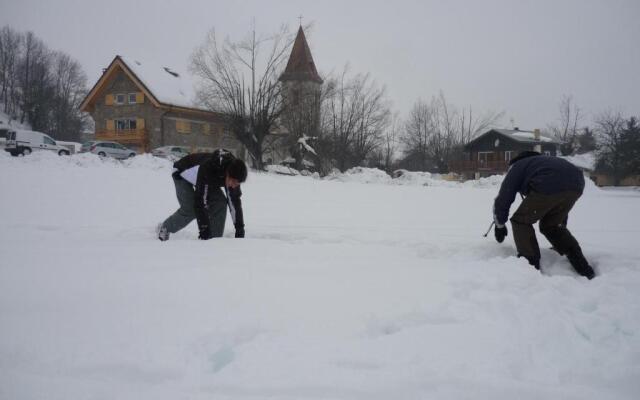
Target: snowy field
(341,290)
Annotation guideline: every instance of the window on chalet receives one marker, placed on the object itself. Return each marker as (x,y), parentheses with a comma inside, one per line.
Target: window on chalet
(183,126)
(119,98)
(126,124)
(484,157)
(132,98)
(508,155)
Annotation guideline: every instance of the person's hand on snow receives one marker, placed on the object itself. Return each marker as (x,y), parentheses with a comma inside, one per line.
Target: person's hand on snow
(501,233)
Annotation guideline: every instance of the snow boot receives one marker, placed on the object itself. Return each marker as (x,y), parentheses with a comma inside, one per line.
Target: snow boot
(580,264)
(535,262)
(163,233)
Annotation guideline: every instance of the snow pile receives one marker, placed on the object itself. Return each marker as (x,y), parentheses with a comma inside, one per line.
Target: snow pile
(281,169)
(586,161)
(86,160)
(409,178)
(360,175)
(340,290)
(6,121)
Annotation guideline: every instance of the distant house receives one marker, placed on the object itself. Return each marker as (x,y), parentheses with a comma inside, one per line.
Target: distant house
(142,106)
(490,153)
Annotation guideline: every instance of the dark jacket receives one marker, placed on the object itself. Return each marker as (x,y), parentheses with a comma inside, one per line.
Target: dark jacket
(211,174)
(537,173)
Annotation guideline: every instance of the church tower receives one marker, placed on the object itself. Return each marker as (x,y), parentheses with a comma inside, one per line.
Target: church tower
(300,67)
(302,88)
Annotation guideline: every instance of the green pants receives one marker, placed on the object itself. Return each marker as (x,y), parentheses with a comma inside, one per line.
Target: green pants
(216,208)
(552,210)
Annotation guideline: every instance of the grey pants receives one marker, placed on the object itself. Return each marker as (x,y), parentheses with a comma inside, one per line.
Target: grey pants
(216,208)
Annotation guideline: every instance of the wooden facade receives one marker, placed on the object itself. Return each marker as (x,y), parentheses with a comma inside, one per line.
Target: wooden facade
(125,110)
(491,152)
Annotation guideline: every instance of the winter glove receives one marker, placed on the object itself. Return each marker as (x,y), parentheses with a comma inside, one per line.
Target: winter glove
(239,232)
(205,233)
(501,233)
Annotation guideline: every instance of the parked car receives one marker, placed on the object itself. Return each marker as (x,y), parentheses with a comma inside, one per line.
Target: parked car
(172,153)
(25,142)
(107,149)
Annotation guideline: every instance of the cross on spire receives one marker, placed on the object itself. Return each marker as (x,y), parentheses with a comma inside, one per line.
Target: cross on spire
(300,18)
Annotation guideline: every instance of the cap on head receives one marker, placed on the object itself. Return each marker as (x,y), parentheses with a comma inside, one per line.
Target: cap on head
(523,155)
(237,169)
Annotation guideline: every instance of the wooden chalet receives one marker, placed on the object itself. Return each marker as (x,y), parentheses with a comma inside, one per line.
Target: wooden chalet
(490,153)
(143,107)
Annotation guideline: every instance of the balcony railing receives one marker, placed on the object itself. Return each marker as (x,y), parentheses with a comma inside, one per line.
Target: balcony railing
(475,165)
(137,137)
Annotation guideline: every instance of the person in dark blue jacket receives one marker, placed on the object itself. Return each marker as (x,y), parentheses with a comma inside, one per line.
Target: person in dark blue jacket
(550,186)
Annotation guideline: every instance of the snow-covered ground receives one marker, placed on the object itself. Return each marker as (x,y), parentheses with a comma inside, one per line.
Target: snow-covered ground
(341,290)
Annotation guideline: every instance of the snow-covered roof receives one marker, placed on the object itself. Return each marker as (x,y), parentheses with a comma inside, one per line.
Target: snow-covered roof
(524,136)
(168,85)
(528,137)
(164,85)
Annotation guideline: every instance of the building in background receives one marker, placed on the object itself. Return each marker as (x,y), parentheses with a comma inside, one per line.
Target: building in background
(301,95)
(144,106)
(490,153)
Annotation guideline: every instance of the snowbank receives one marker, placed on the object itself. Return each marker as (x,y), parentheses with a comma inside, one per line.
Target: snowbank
(586,161)
(360,175)
(408,178)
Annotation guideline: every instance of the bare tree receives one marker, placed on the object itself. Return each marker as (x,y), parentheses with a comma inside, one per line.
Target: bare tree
(435,133)
(432,132)
(10,42)
(610,131)
(36,92)
(355,115)
(390,143)
(566,130)
(69,82)
(471,126)
(417,135)
(41,87)
(242,84)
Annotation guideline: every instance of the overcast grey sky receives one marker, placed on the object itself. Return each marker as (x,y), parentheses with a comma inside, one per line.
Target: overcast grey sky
(516,56)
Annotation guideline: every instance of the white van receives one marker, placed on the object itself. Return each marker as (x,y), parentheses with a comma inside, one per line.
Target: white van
(25,142)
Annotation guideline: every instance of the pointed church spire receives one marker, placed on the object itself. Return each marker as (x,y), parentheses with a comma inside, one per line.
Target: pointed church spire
(300,66)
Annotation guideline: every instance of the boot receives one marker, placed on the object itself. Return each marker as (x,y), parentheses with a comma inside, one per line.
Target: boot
(580,264)
(535,262)
(163,232)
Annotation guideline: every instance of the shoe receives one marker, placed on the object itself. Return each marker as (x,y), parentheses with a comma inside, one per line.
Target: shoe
(533,261)
(163,233)
(581,265)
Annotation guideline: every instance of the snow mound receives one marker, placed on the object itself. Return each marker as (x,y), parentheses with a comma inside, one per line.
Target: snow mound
(49,159)
(586,161)
(281,169)
(6,121)
(361,175)
(409,178)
